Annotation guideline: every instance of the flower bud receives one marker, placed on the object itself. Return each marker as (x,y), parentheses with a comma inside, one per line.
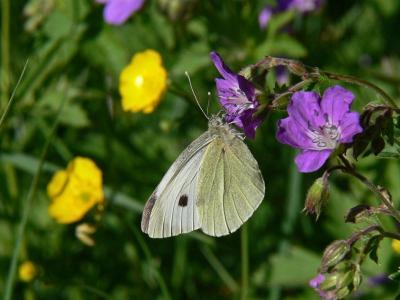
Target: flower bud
(342,293)
(345,279)
(329,282)
(317,195)
(334,253)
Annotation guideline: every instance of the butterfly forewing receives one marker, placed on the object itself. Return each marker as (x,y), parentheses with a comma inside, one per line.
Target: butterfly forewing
(171,209)
(230,187)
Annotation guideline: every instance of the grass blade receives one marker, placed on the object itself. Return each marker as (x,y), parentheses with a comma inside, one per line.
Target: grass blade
(11,100)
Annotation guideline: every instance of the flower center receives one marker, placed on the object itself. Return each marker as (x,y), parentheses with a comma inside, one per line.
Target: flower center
(139,80)
(325,137)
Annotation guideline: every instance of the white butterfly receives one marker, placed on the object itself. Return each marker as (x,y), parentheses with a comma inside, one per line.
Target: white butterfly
(215,184)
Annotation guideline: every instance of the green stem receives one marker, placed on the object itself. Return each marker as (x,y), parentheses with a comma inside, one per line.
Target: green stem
(349,169)
(244,238)
(148,255)
(219,269)
(373,188)
(25,214)
(5,52)
(11,100)
(361,82)
(307,72)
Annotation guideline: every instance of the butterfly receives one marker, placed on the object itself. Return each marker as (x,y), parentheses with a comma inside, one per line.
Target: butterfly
(215,184)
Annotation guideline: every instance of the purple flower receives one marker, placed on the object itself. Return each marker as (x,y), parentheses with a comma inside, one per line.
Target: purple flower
(379,279)
(282,75)
(316,126)
(265,15)
(237,96)
(316,281)
(116,12)
(302,6)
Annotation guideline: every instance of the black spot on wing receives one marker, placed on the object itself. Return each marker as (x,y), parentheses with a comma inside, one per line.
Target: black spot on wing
(147,212)
(183,200)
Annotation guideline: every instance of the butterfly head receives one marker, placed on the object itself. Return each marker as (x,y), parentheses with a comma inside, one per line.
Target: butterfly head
(217,125)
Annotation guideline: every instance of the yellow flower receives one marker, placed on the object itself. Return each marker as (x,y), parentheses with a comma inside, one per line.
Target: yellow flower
(75,191)
(396,246)
(143,82)
(27,271)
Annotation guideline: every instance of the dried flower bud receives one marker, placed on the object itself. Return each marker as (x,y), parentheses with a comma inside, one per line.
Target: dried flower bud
(335,253)
(83,232)
(317,196)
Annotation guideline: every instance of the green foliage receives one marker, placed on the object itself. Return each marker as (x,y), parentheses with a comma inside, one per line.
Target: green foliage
(76,58)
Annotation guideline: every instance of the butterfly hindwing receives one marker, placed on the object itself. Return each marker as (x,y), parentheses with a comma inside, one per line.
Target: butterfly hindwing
(230,187)
(171,209)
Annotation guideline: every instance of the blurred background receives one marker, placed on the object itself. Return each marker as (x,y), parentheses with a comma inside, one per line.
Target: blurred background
(76,57)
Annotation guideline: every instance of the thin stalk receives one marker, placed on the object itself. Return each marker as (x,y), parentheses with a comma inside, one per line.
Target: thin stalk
(11,100)
(147,253)
(307,72)
(244,241)
(349,169)
(373,188)
(219,269)
(361,82)
(25,214)
(5,52)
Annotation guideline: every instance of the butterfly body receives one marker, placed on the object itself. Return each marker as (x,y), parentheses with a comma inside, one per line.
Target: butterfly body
(215,184)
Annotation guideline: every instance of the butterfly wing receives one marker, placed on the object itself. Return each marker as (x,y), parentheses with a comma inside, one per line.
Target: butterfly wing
(230,187)
(171,209)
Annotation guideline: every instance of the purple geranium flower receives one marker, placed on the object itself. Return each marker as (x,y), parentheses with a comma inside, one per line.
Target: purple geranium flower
(316,126)
(237,96)
(116,12)
(302,6)
(315,283)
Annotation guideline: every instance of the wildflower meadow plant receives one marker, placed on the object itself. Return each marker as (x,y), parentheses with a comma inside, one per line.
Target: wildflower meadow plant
(301,6)
(76,190)
(143,82)
(117,12)
(95,107)
(27,271)
(321,127)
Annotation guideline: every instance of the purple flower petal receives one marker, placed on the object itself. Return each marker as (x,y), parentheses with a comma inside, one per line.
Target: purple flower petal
(221,67)
(117,12)
(291,134)
(316,281)
(237,96)
(247,87)
(317,126)
(282,75)
(249,124)
(264,16)
(335,103)
(349,126)
(311,160)
(305,110)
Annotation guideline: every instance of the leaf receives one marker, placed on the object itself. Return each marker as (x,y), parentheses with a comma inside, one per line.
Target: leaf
(285,267)
(372,247)
(354,212)
(377,145)
(395,276)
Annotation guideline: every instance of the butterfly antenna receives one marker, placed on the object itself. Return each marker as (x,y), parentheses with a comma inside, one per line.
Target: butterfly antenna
(208,101)
(194,95)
